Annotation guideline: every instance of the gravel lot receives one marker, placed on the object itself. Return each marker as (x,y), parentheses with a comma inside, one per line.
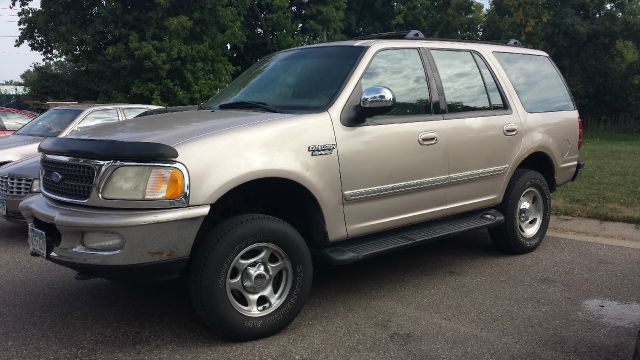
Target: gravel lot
(449,300)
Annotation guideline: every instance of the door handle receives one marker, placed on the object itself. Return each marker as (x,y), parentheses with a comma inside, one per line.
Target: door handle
(428,138)
(510,129)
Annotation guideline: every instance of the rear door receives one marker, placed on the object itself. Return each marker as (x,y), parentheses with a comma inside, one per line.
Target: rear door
(482,130)
(392,165)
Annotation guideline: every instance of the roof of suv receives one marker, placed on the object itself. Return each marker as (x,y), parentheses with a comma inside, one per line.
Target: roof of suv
(435,43)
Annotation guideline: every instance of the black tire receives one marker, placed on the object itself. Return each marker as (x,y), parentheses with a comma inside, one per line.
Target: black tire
(210,268)
(509,237)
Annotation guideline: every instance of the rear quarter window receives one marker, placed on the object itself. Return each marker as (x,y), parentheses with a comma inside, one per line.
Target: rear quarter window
(537,82)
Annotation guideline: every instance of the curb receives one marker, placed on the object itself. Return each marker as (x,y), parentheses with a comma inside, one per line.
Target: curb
(613,231)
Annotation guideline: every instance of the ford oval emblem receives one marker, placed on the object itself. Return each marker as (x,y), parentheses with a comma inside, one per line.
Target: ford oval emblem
(56,177)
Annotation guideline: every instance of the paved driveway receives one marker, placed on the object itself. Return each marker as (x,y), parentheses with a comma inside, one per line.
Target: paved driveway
(456,299)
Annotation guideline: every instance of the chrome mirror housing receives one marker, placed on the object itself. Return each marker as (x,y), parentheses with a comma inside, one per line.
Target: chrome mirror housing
(379,97)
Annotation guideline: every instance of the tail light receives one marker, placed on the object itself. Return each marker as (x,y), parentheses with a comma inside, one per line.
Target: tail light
(580,133)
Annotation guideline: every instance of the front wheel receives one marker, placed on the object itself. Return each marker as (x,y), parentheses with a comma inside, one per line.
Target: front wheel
(527,209)
(250,276)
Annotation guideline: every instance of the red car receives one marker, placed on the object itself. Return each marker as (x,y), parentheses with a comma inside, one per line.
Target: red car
(13,119)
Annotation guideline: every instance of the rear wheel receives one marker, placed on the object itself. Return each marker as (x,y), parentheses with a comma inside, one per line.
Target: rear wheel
(527,209)
(250,276)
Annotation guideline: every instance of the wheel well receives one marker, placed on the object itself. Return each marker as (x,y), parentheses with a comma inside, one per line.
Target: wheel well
(541,163)
(281,198)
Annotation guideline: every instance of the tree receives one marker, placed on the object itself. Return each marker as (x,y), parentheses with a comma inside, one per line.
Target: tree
(455,19)
(161,51)
(594,43)
(57,81)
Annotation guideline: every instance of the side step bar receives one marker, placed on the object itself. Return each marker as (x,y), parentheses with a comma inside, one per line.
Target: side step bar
(352,250)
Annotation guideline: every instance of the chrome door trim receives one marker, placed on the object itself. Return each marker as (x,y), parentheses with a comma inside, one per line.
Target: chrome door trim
(422,184)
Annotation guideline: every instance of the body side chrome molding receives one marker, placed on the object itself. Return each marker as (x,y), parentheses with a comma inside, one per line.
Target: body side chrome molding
(423,183)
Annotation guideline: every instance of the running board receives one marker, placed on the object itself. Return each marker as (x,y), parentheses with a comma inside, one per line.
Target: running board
(352,250)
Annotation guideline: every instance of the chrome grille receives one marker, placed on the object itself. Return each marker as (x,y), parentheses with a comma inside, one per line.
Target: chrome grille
(13,186)
(72,181)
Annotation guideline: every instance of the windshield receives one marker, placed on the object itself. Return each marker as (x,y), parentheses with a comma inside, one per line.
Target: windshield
(304,79)
(50,124)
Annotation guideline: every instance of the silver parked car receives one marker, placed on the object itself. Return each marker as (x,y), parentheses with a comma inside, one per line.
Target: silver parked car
(19,180)
(63,121)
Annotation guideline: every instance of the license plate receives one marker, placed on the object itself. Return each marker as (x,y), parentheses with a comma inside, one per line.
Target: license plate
(3,208)
(37,241)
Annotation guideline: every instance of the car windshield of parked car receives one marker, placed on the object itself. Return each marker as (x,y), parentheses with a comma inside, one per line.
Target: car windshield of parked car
(13,121)
(50,124)
(300,80)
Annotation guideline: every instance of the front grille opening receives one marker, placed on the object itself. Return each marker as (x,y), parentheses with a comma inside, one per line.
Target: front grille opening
(67,180)
(14,186)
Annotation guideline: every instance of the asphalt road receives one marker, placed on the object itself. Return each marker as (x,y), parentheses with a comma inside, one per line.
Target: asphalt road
(456,299)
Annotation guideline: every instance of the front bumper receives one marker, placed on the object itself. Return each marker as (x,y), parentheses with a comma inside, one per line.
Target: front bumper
(151,237)
(13,214)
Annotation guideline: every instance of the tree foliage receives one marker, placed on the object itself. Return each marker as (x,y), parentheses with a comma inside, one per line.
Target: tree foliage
(181,52)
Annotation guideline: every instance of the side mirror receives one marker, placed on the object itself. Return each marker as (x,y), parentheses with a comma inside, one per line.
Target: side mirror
(377,100)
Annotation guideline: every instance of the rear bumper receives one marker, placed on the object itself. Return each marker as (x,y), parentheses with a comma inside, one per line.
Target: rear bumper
(579,168)
(152,239)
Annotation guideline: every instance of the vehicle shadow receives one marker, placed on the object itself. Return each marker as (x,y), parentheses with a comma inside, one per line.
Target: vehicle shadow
(126,315)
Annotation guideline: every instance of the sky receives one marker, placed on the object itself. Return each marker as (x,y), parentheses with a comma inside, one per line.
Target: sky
(14,61)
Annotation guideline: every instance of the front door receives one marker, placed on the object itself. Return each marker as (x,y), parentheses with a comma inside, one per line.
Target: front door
(392,165)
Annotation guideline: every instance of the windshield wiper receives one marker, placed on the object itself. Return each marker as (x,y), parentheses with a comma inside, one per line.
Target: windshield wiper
(249,105)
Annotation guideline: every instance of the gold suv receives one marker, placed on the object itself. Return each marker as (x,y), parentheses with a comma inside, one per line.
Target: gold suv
(343,150)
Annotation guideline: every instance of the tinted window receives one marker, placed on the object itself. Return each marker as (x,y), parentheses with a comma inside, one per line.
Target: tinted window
(497,103)
(13,121)
(51,123)
(461,80)
(304,79)
(401,71)
(537,82)
(97,117)
(130,113)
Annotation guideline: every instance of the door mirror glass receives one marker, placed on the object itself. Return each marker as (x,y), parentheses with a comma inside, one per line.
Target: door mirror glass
(377,100)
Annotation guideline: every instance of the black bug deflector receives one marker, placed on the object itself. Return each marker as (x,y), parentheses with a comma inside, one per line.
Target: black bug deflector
(107,149)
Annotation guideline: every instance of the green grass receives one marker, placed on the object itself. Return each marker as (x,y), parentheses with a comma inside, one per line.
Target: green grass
(609,186)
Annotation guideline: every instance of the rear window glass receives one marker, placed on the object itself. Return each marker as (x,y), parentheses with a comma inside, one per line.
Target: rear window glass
(537,82)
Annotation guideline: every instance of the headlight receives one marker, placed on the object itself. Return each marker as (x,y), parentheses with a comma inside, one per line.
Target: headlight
(144,183)
(35,186)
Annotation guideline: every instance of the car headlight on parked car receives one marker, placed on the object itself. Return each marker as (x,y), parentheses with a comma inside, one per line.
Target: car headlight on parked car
(35,186)
(145,183)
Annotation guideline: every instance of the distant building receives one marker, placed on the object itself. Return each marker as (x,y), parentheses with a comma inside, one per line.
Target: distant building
(13,90)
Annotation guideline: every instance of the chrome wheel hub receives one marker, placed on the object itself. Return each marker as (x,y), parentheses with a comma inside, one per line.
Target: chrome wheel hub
(259,279)
(255,278)
(530,212)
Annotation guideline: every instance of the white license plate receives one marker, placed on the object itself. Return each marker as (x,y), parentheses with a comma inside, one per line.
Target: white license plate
(37,241)
(3,208)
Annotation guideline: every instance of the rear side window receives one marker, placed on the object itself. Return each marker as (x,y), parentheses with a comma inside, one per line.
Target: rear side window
(497,102)
(537,82)
(130,113)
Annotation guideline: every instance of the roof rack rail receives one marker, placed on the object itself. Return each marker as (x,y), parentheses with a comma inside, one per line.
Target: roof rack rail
(408,35)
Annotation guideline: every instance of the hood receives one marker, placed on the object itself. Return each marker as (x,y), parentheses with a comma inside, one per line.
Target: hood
(23,168)
(16,147)
(11,141)
(174,128)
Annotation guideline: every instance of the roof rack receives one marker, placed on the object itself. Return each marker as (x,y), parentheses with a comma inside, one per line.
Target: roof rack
(408,35)
(418,35)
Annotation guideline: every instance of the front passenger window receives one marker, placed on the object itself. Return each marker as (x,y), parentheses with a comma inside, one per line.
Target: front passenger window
(401,71)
